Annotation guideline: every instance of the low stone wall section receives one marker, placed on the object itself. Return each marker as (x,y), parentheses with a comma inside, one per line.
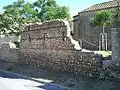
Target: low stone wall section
(60,60)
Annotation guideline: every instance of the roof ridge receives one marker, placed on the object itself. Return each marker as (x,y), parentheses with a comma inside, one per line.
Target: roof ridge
(105,2)
(111,4)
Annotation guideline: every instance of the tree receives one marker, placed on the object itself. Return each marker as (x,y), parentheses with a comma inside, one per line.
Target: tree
(49,10)
(15,16)
(102,19)
(21,12)
(8,25)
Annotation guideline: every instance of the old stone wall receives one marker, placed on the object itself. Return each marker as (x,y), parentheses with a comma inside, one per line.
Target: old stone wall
(116,45)
(47,45)
(87,33)
(9,55)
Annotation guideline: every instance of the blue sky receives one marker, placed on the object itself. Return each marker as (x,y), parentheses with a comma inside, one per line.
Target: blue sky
(74,5)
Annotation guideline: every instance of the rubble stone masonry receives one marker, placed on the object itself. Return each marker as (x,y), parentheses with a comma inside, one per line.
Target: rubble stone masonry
(46,45)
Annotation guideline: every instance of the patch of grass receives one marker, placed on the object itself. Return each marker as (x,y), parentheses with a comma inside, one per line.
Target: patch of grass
(104,53)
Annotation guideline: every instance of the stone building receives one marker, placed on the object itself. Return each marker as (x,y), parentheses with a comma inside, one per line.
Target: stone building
(87,35)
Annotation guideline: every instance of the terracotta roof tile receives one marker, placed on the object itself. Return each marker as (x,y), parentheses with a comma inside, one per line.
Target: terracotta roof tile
(102,6)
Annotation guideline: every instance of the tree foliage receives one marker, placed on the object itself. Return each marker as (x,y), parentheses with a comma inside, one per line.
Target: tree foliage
(8,25)
(116,17)
(21,12)
(49,10)
(102,18)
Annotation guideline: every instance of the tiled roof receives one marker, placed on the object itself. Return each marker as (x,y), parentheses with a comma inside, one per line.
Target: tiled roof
(102,6)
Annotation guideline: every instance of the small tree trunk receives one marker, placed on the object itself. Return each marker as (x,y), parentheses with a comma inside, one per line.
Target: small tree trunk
(103,29)
(100,42)
(104,39)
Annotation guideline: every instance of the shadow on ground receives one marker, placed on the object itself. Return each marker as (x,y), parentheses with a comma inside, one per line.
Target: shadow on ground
(75,82)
